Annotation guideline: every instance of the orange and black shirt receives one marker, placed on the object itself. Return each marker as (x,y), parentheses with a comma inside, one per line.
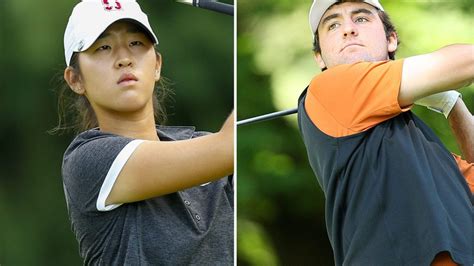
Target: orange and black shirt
(394,194)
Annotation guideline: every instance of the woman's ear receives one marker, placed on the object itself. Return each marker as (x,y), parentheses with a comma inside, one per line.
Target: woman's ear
(158,67)
(73,80)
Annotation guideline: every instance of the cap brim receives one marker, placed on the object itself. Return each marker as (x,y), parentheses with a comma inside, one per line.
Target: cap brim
(319,7)
(92,37)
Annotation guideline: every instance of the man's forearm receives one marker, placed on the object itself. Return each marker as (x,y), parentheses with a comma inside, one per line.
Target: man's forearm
(448,68)
(462,124)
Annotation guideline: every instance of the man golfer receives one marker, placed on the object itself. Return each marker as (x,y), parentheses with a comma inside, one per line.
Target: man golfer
(394,194)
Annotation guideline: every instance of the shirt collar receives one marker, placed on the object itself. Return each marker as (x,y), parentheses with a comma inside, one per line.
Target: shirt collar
(175,132)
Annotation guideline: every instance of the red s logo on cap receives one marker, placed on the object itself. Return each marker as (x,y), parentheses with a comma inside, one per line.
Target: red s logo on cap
(108,7)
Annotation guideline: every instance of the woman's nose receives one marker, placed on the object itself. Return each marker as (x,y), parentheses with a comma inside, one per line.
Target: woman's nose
(124,57)
(123,61)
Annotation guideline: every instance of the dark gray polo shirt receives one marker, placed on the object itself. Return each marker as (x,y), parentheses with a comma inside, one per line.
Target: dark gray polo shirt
(394,193)
(190,227)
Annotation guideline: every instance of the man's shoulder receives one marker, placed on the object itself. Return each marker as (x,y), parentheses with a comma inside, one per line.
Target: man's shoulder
(355,69)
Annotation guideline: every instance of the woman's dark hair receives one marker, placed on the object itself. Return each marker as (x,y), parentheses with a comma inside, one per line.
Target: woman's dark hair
(76,113)
(387,25)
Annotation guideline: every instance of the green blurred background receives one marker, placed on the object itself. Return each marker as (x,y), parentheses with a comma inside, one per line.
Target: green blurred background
(280,205)
(197,48)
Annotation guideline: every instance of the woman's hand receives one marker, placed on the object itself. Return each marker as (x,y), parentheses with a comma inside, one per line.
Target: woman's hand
(228,133)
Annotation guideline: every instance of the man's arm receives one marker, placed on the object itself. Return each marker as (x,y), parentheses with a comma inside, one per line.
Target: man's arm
(462,124)
(447,68)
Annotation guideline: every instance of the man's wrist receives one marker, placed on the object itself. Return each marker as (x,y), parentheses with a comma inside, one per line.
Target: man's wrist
(442,102)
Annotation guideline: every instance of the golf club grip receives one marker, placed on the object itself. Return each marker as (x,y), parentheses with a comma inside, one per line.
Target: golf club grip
(216,6)
(267,117)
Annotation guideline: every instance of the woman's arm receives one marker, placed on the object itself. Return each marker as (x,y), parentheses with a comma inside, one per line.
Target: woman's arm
(157,167)
(462,124)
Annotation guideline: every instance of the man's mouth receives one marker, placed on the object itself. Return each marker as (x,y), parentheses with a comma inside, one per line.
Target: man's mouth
(349,45)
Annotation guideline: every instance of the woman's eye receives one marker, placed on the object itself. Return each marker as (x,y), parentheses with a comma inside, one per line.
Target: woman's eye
(103,47)
(134,43)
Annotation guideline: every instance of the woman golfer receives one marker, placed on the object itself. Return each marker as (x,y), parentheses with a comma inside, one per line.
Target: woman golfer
(138,193)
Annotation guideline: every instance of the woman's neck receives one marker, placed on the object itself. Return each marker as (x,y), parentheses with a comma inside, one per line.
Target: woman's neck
(133,125)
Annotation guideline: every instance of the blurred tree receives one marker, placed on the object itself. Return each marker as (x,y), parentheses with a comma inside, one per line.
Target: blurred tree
(280,205)
(197,49)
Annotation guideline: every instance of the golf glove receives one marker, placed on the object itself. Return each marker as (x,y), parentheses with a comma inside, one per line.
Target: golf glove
(442,102)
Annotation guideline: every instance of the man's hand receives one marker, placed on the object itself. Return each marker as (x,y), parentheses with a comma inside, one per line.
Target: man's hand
(442,102)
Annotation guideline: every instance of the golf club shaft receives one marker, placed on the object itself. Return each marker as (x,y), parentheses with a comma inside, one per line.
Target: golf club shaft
(211,5)
(266,117)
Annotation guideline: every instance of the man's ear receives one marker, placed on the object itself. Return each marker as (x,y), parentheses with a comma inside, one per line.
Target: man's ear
(319,60)
(392,42)
(158,67)
(73,80)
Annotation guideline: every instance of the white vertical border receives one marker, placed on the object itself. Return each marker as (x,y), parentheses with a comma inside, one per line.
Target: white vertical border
(234,179)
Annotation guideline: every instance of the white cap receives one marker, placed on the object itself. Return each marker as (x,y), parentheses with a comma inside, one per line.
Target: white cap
(320,7)
(90,18)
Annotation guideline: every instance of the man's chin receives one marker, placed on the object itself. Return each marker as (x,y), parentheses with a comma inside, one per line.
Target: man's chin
(356,59)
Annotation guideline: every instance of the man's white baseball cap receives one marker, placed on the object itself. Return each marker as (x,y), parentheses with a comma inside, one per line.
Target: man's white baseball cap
(319,7)
(90,18)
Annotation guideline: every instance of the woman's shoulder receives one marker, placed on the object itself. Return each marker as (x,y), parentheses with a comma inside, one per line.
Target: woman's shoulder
(96,140)
(92,134)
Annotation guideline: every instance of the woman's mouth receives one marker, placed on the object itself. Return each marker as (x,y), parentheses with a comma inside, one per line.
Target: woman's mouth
(127,79)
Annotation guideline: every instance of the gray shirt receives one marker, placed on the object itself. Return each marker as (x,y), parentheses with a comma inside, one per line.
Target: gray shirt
(190,227)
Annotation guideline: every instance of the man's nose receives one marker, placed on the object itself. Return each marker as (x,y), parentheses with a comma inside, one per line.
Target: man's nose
(350,28)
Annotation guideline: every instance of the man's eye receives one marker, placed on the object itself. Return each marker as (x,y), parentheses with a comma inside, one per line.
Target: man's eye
(333,26)
(361,19)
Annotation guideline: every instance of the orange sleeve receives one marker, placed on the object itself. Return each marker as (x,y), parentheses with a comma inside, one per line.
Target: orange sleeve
(467,169)
(352,98)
